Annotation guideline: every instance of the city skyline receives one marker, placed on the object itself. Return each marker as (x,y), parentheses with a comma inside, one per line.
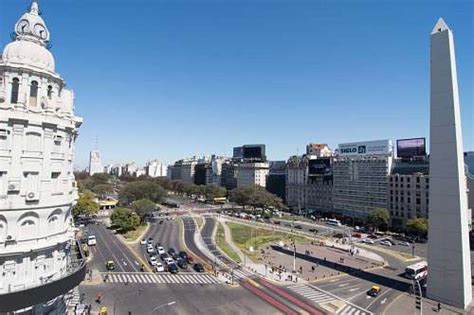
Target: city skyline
(284,82)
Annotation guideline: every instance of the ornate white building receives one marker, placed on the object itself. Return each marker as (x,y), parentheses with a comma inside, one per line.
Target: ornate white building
(37,186)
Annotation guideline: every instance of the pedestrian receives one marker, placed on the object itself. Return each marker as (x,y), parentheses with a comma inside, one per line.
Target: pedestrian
(439,307)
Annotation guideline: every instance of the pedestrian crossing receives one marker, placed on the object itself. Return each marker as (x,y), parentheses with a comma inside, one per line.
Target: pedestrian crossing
(321,297)
(153,278)
(312,293)
(352,310)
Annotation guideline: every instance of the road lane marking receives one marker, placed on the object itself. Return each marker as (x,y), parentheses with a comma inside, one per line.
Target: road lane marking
(354,289)
(383,301)
(343,285)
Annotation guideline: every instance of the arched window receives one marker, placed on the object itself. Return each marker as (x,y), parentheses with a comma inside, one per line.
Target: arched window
(50,91)
(15,90)
(33,93)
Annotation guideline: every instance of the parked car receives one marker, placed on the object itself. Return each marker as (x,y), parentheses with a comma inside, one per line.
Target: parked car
(152,260)
(168,261)
(189,260)
(171,251)
(298,226)
(385,243)
(368,241)
(182,263)
(164,256)
(150,249)
(159,267)
(150,241)
(143,241)
(404,244)
(183,254)
(198,267)
(173,268)
(161,250)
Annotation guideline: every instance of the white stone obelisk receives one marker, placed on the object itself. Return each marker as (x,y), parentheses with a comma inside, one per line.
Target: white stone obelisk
(449,260)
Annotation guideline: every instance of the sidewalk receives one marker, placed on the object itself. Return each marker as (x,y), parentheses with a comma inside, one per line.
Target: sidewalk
(405,304)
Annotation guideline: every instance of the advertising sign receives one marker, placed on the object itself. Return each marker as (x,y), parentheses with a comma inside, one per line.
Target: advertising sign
(407,148)
(320,166)
(378,147)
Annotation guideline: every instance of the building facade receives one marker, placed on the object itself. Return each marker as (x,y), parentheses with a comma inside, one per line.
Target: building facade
(276,179)
(252,173)
(184,170)
(360,177)
(38,130)
(95,163)
(155,168)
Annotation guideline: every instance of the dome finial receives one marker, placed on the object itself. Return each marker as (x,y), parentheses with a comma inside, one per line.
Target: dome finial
(34,7)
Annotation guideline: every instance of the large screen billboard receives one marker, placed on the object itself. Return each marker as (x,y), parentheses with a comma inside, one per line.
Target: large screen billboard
(320,166)
(254,152)
(408,148)
(383,147)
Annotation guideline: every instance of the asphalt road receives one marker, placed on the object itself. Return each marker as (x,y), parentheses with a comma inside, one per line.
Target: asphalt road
(110,248)
(189,230)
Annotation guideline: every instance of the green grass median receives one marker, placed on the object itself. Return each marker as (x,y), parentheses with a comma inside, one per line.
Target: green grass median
(245,236)
(223,245)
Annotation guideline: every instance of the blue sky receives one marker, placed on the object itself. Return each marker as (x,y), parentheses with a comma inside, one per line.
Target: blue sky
(170,79)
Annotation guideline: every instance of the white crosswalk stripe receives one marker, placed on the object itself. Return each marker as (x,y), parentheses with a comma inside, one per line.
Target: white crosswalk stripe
(150,278)
(352,310)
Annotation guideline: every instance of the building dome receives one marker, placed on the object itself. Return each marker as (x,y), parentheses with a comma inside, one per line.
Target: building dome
(28,53)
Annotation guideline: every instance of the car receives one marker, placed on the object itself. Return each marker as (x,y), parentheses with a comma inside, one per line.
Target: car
(182,263)
(169,260)
(164,256)
(313,230)
(373,236)
(161,222)
(152,260)
(91,240)
(189,260)
(404,244)
(159,267)
(110,265)
(198,267)
(150,241)
(173,268)
(385,243)
(171,251)
(374,291)
(183,254)
(298,226)
(175,256)
(368,241)
(150,249)
(143,241)
(161,250)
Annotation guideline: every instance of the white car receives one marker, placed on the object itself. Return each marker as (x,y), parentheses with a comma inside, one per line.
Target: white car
(404,243)
(169,260)
(159,267)
(152,260)
(368,241)
(386,243)
(150,249)
(161,250)
(143,241)
(91,240)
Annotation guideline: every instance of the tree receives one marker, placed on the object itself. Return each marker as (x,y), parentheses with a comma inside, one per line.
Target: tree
(125,219)
(85,205)
(143,206)
(141,189)
(378,217)
(102,189)
(418,226)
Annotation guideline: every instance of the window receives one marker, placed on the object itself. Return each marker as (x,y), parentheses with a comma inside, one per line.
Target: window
(33,93)
(33,141)
(57,143)
(408,179)
(418,201)
(50,91)
(4,139)
(417,179)
(15,90)
(55,175)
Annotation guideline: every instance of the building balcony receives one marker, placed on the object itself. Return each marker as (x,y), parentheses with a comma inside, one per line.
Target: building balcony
(50,288)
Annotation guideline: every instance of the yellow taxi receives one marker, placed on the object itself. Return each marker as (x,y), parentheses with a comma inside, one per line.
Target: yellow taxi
(374,291)
(110,265)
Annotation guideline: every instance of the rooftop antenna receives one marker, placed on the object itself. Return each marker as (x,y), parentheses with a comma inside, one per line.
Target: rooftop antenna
(96,146)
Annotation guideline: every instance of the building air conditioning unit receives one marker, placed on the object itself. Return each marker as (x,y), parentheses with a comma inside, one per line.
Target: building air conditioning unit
(31,196)
(14,186)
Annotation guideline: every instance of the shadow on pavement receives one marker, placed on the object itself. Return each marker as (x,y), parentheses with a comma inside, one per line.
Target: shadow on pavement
(397,284)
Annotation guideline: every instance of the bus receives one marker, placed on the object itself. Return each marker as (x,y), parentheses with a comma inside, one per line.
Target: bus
(333,222)
(417,271)
(219,200)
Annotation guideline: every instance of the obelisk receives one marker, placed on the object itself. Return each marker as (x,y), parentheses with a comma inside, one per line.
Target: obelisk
(449,260)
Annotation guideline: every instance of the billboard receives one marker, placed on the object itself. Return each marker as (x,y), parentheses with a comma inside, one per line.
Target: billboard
(319,166)
(408,148)
(378,147)
(254,152)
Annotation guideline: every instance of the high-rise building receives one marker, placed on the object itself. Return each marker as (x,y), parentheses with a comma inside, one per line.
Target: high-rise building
(276,179)
(360,176)
(38,255)
(184,170)
(155,168)
(252,173)
(95,163)
(449,258)
(229,174)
